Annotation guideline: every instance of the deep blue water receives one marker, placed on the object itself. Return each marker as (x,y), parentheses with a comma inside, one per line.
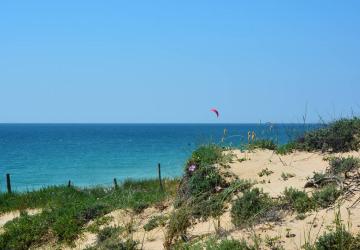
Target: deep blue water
(38,155)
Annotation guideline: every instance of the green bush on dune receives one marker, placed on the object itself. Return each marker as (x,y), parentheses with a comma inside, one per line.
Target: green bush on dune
(340,136)
(202,180)
(249,207)
(338,238)
(343,165)
(203,191)
(301,202)
(298,200)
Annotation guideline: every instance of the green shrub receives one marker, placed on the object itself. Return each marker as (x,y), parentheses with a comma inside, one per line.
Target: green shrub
(206,155)
(342,165)
(298,200)
(263,144)
(202,183)
(340,239)
(248,207)
(231,245)
(179,222)
(215,244)
(339,136)
(301,202)
(326,196)
(24,231)
(318,176)
(204,180)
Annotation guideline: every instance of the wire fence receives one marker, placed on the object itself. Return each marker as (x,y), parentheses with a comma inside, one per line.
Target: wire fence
(160,171)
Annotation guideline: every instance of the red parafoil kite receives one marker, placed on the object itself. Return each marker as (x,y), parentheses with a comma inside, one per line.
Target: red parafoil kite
(216,112)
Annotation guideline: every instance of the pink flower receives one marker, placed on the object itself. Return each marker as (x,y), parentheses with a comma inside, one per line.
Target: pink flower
(192,168)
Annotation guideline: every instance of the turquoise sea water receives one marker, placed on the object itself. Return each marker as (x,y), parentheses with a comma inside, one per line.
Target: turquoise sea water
(38,155)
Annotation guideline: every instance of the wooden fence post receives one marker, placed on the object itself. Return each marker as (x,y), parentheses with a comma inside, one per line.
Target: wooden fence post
(160,181)
(115,184)
(8,183)
(69,183)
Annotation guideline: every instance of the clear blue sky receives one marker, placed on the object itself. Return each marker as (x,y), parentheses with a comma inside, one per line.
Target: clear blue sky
(171,61)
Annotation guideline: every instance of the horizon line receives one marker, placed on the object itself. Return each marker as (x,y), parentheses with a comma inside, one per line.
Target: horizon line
(153,123)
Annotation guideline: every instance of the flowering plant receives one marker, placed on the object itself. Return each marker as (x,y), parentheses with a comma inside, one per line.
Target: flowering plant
(192,168)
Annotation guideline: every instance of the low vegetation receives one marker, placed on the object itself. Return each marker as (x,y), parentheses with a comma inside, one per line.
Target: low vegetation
(250,207)
(343,165)
(203,191)
(109,239)
(216,244)
(65,210)
(262,144)
(301,202)
(265,172)
(202,182)
(339,238)
(287,176)
(155,222)
(339,136)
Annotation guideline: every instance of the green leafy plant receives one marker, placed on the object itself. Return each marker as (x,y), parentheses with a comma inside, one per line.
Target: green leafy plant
(326,196)
(298,200)
(318,176)
(339,136)
(340,238)
(342,165)
(179,222)
(247,208)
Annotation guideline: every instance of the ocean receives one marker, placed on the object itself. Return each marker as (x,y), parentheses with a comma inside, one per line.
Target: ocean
(38,155)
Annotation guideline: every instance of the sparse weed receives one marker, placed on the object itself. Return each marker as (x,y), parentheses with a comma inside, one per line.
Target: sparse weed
(262,144)
(155,222)
(265,172)
(286,176)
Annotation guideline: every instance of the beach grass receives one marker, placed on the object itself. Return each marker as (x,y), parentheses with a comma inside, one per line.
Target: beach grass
(65,210)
